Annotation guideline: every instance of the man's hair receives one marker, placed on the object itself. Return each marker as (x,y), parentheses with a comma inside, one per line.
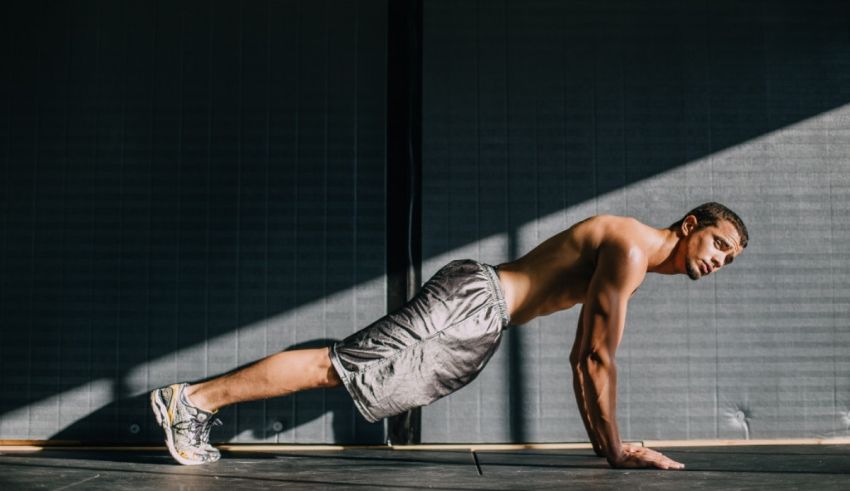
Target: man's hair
(708,214)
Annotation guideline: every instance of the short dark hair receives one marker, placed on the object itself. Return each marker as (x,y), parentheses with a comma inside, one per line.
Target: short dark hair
(708,214)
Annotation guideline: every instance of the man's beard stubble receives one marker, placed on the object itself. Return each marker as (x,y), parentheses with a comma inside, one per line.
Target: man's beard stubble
(693,272)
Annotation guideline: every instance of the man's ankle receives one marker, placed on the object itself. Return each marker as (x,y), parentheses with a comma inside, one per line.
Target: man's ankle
(197,399)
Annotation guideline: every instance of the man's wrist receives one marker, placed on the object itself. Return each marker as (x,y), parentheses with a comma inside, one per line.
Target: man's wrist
(615,455)
(599,450)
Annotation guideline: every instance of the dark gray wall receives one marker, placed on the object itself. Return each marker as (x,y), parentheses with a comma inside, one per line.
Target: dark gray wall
(540,113)
(186,186)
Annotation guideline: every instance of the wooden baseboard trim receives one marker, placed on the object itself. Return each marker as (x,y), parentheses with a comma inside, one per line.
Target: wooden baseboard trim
(38,445)
(738,443)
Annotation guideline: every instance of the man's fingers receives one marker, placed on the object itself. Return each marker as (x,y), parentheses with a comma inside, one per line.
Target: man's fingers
(665,462)
(660,460)
(670,465)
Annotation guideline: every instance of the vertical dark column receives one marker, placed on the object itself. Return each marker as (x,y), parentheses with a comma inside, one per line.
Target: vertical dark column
(404,156)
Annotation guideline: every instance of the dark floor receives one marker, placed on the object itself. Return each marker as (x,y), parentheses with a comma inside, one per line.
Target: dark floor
(758,467)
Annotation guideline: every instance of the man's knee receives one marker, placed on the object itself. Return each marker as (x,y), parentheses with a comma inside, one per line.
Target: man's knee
(333,379)
(329,376)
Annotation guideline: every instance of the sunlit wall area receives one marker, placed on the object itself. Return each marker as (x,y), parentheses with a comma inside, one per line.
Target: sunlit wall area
(539,114)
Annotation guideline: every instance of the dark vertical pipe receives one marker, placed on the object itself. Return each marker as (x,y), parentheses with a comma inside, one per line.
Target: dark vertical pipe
(404,171)
(516,375)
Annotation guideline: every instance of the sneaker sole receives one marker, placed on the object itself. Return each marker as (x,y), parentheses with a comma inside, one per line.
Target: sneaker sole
(160,410)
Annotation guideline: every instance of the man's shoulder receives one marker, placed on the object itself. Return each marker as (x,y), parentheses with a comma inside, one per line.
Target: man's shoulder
(623,239)
(611,221)
(616,230)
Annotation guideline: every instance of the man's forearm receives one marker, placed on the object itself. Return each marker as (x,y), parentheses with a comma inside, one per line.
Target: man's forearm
(600,375)
(581,400)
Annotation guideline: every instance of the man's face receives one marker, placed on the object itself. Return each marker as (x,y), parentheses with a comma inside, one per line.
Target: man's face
(711,248)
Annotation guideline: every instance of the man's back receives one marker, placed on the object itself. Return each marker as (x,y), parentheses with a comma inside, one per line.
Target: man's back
(556,274)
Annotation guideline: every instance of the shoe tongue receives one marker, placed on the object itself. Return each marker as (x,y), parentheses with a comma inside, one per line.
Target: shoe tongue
(199,413)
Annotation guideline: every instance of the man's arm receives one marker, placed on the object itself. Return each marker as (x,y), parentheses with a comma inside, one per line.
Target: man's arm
(620,269)
(578,387)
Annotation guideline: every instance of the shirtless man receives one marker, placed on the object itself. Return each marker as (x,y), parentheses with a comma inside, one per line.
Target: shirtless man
(443,337)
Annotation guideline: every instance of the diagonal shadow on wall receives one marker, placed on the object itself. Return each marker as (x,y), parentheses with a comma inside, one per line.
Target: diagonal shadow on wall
(171,172)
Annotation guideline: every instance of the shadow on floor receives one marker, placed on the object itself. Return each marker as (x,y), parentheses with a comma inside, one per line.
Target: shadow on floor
(247,420)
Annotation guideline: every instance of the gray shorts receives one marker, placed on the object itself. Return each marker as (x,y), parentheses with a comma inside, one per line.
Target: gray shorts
(434,345)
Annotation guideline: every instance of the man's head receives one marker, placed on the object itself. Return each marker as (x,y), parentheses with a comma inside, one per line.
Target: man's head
(712,236)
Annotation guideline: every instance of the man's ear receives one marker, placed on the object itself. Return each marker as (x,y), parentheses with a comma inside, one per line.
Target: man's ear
(689,224)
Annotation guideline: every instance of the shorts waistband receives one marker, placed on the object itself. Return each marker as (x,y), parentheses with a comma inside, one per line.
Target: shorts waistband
(496,285)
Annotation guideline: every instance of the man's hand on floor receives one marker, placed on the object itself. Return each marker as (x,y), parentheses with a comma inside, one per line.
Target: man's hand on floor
(634,457)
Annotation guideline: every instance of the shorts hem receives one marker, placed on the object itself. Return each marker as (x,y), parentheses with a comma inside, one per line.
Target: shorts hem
(345,376)
(495,284)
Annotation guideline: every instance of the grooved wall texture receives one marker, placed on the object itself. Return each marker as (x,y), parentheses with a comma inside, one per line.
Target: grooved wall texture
(186,187)
(540,113)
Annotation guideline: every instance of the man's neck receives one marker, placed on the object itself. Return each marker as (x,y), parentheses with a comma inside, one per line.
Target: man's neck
(662,253)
